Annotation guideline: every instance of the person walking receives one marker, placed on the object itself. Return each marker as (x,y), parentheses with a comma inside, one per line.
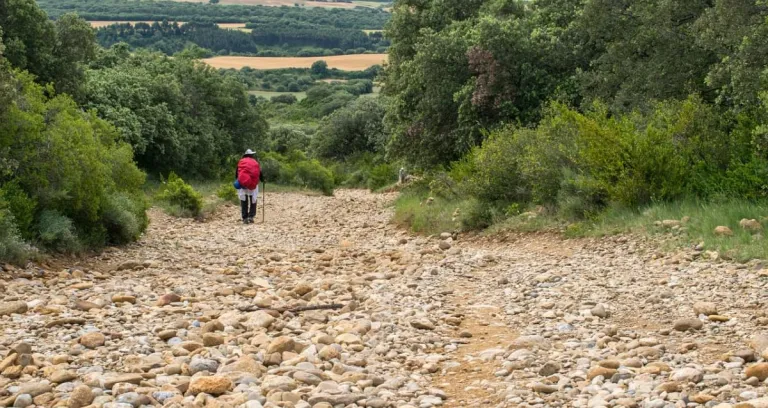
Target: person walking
(248,175)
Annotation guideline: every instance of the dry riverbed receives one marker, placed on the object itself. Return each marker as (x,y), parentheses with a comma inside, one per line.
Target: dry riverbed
(449,321)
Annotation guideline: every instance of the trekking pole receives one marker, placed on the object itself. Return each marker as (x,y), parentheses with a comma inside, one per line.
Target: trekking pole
(263,201)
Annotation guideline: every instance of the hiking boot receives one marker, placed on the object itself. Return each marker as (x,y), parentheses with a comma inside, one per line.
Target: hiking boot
(245,221)
(250,220)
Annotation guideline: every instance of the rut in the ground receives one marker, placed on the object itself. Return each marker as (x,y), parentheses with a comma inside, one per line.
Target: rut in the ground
(531,321)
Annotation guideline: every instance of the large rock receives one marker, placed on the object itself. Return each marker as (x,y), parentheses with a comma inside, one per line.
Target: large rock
(36,388)
(423,323)
(10,308)
(111,380)
(278,383)
(198,365)
(280,345)
(167,299)
(759,370)
(93,340)
(705,308)
(688,324)
(751,225)
(723,231)
(759,342)
(80,397)
(214,385)
(245,364)
(258,320)
(687,375)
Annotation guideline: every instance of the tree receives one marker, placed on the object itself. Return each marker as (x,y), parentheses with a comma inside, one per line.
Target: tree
(213,1)
(320,68)
(356,128)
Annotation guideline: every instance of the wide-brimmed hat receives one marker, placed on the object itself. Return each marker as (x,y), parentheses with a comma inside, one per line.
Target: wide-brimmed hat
(249,152)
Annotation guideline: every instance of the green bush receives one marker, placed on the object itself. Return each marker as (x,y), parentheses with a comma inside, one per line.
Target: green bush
(124,218)
(21,206)
(12,246)
(180,194)
(227,192)
(382,176)
(57,232)
(313,175)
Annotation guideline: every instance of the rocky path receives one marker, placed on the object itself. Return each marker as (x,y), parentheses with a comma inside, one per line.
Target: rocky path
(422,322)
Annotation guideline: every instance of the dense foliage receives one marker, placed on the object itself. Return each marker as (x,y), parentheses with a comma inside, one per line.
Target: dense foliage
(120,10)
(178,114)
(266,39)
(298,79)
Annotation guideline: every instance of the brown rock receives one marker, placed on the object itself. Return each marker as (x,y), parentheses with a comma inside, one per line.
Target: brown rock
(166,334)
(759,370)
(167,299)
(111,380)
(80,397)
(612,364)
(212,340)
(65,321)
(600,371)
(670,386)
(62,376)
(723,231)
(13,308)
(86,306)
(302,289)
(123,299)
(214,385)
(688,324)
(705,308)
(93,340)
(281,344)
(751,225)
(212,326)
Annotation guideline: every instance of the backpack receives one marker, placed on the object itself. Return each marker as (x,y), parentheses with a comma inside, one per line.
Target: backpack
(248,173)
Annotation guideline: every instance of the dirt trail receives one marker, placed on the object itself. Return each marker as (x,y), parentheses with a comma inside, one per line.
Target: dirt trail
(518,321)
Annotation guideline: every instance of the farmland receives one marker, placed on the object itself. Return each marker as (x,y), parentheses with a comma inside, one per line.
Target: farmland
(357,62)
(269,94)
(301,3)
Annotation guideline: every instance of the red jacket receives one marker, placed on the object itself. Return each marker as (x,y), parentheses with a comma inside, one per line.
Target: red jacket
(248,173)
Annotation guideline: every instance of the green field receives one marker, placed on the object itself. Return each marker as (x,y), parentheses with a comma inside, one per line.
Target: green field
(270,94)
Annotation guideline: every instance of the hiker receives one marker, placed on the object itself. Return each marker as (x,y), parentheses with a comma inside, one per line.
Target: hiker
(248,175)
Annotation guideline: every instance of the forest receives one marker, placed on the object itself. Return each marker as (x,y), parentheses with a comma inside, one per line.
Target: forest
(119,10)
(284,38)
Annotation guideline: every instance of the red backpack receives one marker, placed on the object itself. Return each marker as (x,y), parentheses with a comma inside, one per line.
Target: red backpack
(248,172)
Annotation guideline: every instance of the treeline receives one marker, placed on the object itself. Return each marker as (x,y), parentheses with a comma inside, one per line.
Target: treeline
(300,79)
(74,116)
(291,38)
(578,105)
(116,10)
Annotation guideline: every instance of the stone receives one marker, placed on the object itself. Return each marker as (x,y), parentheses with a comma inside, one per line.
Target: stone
(213,385)
(329,353)
(281,344)
(599,311)
(123,299)
(212,340)
(245,364)
(80,397)
(212,326)
(612,364)
(167,299)
(688,324)
(199,364)
(705,308)
(62,376)
(760,371)
(23,401)
(544,388)
(549,368)
(759,342)
(687,375)
(93,340)
(600,371)
(10,308)
(86,306)
(278,383)
(302,289)
(307,378)
(422,323)
(723,231)
(35,388)
(751,225)
(111,380)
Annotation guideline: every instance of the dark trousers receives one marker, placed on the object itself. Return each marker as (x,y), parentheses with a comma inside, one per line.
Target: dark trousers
(248,207)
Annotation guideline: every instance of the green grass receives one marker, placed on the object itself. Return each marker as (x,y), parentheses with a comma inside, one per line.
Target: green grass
(412,211)
(269,94)
(704,218)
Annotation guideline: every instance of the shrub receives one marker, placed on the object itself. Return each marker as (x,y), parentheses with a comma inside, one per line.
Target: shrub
(124,218)
(382,176)
(178,193)
(312,174)
(12,246)
(227,192)
(288,99)
(57,232)
(21,206)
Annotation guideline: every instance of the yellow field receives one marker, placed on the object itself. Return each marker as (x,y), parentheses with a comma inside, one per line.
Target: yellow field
(230,26)
(356,62)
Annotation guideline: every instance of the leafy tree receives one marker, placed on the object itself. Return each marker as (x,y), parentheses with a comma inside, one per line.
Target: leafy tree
(320,68)
(356,128)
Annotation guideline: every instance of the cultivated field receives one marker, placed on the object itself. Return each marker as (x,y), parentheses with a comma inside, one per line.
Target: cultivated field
(231,26)
(355,62)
